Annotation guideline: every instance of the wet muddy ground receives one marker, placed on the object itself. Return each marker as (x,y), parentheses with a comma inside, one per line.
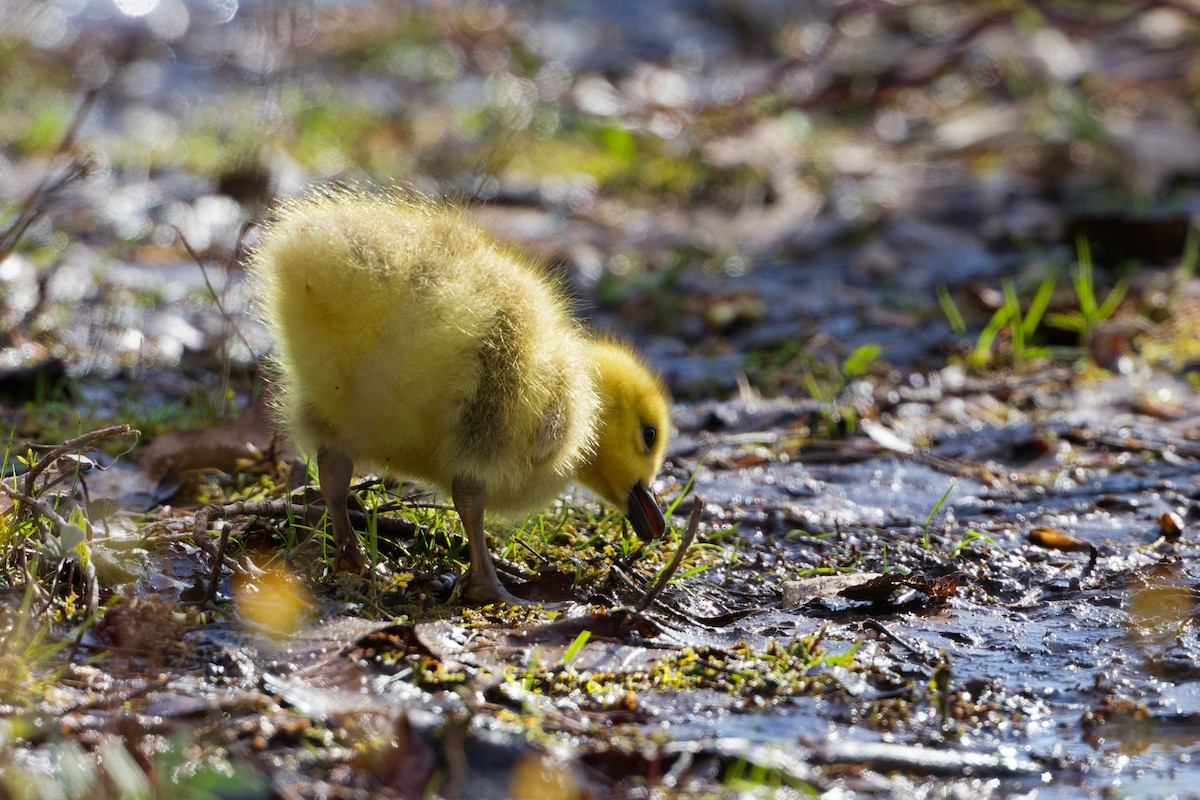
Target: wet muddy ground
(934,559)
(855,632)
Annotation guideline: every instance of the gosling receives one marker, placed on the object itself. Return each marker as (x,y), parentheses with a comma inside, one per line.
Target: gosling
(411,342)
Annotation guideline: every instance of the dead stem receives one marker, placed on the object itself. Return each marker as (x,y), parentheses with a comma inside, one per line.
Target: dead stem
(259,508)
(71,446)
(38,200)
(669,571)
(225,315)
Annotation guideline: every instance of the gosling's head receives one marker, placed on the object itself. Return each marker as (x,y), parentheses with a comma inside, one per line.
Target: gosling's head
(631,436)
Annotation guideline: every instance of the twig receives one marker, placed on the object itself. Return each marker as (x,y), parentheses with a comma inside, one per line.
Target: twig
(258,508)
(91,587)
(925,659)
(669,571)
(78,168)
(40,506)
(213,511)
(71,446)
(214,580)
(617,572)
(212,289)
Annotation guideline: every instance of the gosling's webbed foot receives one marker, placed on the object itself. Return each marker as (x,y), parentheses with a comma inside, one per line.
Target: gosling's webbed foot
(475,589)
(351,557)
(480,584)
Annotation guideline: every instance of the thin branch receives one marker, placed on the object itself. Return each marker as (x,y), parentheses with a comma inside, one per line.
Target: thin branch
(669,572)
(35,203)
(214,580)
(43,508)
(214,511)
(72,446)
(212,289)
(259,508)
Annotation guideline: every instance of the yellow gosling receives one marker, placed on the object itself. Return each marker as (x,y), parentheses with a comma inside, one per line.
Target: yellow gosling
(411,342)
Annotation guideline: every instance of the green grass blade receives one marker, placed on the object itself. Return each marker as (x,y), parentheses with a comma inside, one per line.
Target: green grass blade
(987,338)
(1084,280)
(1191,254)
(575,647)
(687,487)
(1039,304)
(950,310)
(929,519)
(1112,302)
(1013,303)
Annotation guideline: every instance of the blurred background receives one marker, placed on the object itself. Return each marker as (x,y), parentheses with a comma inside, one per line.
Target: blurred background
(776,195)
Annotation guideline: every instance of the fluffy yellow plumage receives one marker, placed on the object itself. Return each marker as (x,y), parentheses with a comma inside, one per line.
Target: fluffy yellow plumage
(412,342)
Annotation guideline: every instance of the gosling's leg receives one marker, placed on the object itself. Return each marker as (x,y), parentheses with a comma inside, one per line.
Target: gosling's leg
(334,470)
(480,584)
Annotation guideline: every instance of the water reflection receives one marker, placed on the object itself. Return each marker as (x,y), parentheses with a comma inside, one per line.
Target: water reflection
(135,8)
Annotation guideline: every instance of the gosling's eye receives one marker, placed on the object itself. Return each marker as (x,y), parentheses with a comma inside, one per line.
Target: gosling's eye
(649,436)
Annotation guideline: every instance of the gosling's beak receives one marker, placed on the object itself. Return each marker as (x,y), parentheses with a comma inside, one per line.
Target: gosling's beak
(644,513)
